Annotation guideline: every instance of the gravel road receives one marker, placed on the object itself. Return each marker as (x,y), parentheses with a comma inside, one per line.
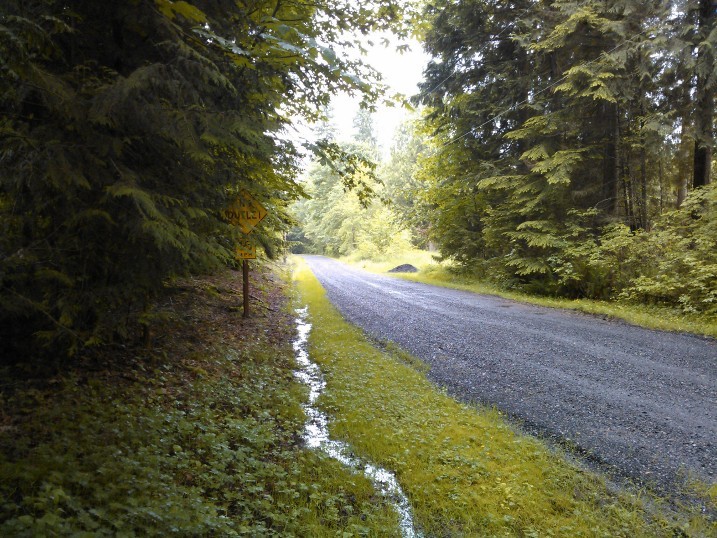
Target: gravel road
(637,401)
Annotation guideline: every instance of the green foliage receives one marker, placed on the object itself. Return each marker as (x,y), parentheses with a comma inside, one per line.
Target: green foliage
(553,133)
(672,265)
(676,263)
(125,129)
(403,188)
(660,317)
(337,223)
(353,167)
(192,443)
(363,222)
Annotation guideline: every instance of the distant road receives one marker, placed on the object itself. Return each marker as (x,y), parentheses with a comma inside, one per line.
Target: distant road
(639,401)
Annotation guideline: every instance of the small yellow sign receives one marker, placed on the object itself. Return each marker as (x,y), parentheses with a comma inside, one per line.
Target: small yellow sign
(246,250)
(245,212)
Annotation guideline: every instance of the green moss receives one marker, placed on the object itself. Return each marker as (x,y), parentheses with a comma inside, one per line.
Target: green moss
(465,470)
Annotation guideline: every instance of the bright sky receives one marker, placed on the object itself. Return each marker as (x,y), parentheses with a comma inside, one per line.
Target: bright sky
(401,72)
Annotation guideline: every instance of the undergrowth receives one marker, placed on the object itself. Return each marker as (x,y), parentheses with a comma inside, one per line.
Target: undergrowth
(199,437)
(465,470)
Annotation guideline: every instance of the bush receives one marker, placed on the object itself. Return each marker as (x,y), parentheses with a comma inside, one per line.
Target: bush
(678,260)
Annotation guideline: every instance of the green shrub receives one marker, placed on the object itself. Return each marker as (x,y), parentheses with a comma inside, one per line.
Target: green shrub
(676,263)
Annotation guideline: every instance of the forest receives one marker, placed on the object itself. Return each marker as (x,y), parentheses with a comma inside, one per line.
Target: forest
(560,148)
(563,148)
(125,130)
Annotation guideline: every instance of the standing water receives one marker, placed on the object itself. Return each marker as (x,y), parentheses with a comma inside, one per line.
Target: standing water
(316,432)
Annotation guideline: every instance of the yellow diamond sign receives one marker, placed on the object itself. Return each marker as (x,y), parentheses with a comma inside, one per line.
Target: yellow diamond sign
(245,212)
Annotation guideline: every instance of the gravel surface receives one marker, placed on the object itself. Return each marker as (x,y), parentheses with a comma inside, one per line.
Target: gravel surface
(638,401)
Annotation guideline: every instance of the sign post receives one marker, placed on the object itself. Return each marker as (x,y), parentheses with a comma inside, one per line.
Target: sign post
(246,213)
(245,251)
(245,287)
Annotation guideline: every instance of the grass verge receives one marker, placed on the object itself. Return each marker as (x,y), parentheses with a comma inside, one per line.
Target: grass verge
(199,437)
(437,274)
(466,471)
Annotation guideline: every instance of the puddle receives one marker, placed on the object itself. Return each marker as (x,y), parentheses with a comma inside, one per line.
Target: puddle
(316,432)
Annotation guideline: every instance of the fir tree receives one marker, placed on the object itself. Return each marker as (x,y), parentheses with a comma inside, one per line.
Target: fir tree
(127,127)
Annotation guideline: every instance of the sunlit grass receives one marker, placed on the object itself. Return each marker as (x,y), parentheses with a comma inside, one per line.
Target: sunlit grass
(466,471)
(421,259)
(440,274)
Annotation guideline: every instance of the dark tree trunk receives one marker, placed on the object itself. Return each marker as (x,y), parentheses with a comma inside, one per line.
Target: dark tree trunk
(628,206)
(704,101)
(661,175)
(643,186)
(703,151)
(633,203)
(611,162)
(683,159)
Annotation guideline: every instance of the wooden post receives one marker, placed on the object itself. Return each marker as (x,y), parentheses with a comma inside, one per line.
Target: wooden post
(245,274)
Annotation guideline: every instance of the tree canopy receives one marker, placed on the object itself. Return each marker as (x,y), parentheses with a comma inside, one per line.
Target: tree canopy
(557,125)
(362,223)
(557,131)
(125,129)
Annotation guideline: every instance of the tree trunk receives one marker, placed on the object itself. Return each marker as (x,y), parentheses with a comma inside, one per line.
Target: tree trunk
(683,159)
(704,102)
(703,145)
(611,162)
(627,200)
(661,175)
(643,185)
(633,203)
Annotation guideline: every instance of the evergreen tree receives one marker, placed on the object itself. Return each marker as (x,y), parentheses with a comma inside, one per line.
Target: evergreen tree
(127,127)
(403,189)
(705,42)
(472,80)
(336,224)
(551,120)
(364,132)
(326,128)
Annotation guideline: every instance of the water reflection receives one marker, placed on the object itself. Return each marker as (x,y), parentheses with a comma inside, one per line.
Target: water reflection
(316,431)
